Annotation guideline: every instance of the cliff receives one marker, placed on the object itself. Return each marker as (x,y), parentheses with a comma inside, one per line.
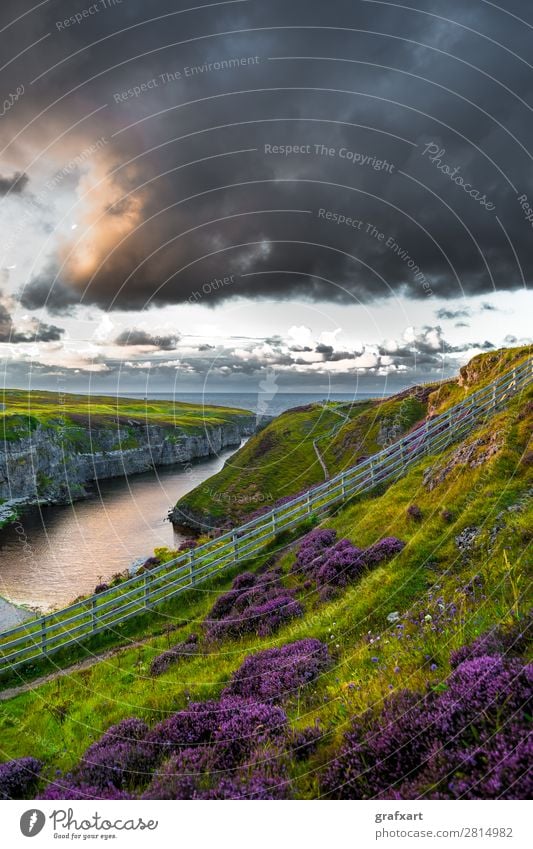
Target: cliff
(55,464)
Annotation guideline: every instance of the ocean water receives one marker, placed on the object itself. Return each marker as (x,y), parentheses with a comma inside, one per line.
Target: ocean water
(256,402)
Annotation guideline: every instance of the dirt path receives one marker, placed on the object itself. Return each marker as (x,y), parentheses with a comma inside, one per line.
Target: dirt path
(321,460)
(11,692)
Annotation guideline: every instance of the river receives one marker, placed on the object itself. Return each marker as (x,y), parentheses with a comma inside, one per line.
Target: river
(57,553)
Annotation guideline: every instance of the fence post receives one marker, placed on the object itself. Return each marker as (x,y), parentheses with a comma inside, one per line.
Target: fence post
(343,485)
(191,564)
(372,472)
(93,614)
(308,502)
(146,591)
(43,635)
(235,541)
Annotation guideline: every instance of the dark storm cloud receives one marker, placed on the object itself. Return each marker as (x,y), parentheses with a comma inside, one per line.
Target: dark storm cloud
(36,331)
(141,337)
(412,79)
(15,184)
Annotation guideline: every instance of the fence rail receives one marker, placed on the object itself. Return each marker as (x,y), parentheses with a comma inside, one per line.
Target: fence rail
(45,635)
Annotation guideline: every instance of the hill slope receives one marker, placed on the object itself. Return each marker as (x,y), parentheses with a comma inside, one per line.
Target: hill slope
(428,568)
(302,446)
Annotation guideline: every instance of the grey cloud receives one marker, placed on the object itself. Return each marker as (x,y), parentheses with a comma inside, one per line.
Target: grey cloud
(14,184)
(36,331)
(428,222)
(141,337)
(451,314)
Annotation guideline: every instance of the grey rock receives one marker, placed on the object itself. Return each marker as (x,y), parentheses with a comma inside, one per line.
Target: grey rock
(54,465)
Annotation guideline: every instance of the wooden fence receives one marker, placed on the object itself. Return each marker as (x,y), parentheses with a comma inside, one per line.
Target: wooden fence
(105,611)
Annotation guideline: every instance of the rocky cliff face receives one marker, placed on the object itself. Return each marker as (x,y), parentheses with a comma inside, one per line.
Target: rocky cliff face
(54,465)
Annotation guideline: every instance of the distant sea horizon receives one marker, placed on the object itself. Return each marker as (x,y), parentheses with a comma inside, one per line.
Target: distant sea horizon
(253,401)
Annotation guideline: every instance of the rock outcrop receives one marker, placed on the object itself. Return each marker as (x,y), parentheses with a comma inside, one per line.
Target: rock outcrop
(55,465)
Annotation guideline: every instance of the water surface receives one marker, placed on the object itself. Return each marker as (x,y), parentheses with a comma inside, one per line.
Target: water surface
(57,553)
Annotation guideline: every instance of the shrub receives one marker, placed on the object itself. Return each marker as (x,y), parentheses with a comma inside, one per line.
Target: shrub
(274,674)
(255,603)
(101,588)
(173,655)
(117,758)
(414,512)
(235,750)
(331,564)
(385,549)
(180,777)
(305,742)
(18,778)
(67,788)
(511,641)
(444,745)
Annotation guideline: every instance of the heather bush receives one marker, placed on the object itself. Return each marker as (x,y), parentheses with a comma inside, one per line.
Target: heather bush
(18,778)
(246,724)
(414,512)
(510,641)
(304,743)
(181,775)
(67,789)
(117,758)
(275,674)
(468,741)
(194,726)
(234,750)
(150,563)
(173,655)
(385,549)
(191,775)
(101,588)
(314,544)
(331,564)
(265,779)
(254,604)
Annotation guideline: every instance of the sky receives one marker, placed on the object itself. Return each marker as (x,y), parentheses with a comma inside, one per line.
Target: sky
(201,196)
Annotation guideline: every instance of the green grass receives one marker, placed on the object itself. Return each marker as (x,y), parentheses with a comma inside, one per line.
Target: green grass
(57,721)
(478,372)
(281,460)
(26,410)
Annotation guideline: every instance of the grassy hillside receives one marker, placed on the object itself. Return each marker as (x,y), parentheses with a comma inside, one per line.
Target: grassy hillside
(280,460)
(23,411)
(465,519)
(297,450)
(283,459)
(476,374)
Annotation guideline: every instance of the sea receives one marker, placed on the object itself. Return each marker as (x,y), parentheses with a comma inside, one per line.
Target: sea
(256,402)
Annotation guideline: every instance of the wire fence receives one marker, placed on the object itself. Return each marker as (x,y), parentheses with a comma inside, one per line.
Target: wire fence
(41,637)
